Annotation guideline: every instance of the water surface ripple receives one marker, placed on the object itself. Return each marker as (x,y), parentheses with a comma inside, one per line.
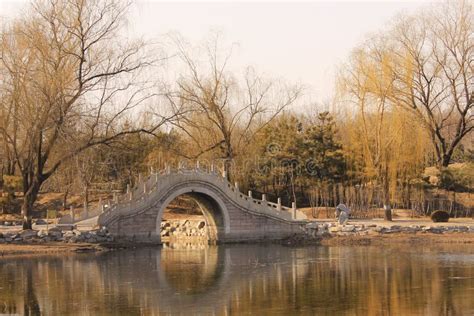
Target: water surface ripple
(244,280)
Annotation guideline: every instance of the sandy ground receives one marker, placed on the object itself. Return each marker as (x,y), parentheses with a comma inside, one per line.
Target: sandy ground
(403,238)
(427,239)
(408,222)
(7,250)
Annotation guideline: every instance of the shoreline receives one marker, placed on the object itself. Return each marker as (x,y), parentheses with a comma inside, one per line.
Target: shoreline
(53,248)
(427,238)
(431,239)
(16,242)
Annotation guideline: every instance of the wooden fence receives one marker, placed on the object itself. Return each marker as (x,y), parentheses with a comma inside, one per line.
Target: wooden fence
(366,201)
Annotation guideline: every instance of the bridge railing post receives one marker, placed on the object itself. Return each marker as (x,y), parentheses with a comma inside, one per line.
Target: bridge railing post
(293,209)
(279,204)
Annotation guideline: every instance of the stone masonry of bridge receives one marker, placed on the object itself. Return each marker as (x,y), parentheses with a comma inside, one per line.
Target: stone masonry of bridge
(230,215)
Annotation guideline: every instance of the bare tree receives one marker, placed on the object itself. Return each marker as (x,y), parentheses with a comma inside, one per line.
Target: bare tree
(224,112)
(435,73)
(70,78)
(418,72)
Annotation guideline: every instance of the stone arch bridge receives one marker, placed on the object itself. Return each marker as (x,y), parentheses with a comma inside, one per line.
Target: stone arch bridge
(230,215)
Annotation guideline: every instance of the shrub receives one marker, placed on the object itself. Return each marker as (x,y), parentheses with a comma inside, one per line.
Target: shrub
(440,216)
(9,205)
(457,177)
(12,184)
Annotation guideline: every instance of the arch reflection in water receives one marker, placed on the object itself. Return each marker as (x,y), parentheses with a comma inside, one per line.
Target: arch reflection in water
(190,269)
(244,279)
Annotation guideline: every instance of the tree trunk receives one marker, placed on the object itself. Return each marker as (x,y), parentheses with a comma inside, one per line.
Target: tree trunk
(66,193)
(445,161)
(387,212)
(86,201)
(227,168)
(27,207)
(387,207)
(292,186)
(228,160)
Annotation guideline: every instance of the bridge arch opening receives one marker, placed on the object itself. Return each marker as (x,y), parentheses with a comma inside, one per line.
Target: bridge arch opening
(191,215)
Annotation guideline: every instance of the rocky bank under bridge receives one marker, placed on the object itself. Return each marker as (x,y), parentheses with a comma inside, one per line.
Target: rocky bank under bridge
(197,228)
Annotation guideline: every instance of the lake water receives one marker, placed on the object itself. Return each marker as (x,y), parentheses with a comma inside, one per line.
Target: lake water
(244,280)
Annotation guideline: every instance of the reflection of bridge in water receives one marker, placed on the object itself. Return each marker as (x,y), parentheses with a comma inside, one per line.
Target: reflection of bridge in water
(243,279)
(230,215)
(149,281)
(208,279)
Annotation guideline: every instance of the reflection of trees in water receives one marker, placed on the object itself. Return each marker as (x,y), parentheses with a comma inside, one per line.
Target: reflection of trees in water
(57,286)
(18,297)
(358,280)
(240,279)
(9,290)
(30,305)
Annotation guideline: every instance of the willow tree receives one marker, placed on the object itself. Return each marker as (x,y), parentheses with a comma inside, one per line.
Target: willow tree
(69,79)
(379,132)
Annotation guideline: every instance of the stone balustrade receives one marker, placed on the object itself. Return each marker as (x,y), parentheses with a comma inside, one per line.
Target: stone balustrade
(152,190)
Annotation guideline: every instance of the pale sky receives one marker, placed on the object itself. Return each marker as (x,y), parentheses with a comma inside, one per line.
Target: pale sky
(301,42)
